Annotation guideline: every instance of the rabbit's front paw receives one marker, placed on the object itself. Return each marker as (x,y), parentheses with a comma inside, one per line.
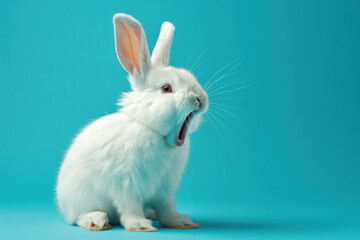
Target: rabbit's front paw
(139,225)
(94,221)
(180,222)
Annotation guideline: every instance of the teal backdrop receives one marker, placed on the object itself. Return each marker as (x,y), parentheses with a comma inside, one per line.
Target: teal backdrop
(278,154)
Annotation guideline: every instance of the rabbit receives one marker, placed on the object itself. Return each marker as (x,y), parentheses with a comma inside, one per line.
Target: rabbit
(125,167)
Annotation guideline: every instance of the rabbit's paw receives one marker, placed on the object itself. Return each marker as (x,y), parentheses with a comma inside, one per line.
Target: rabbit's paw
(179,222)
(94,221)
(94,227)
(139,225)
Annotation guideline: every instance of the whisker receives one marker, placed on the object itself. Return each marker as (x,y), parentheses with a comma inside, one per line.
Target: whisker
(227,72)
(199,75)
(222,77)
(230,98)
(222,124)
(204,119)
(214,126)
(202,62)
(197,59)
(233,90)
(226,85)
(225,140)
(233,115)
(221,70)
(224,105)
(191,56)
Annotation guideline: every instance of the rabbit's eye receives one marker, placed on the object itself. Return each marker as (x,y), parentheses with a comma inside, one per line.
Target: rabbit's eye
(166,88)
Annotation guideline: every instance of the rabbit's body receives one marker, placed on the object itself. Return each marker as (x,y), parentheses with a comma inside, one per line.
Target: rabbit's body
(127,166)
(135,163)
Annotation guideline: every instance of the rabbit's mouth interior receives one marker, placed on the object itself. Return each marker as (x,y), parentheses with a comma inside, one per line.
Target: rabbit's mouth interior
(180,138)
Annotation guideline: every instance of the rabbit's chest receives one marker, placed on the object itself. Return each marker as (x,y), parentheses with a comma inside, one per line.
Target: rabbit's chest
(159,173)
(149,168)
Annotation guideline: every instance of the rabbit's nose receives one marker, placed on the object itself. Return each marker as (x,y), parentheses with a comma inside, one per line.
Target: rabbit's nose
(198,100)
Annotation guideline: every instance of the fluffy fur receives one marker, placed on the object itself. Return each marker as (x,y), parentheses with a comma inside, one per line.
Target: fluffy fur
(126,166)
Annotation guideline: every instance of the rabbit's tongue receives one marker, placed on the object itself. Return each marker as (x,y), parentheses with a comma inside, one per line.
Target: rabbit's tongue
(180,138)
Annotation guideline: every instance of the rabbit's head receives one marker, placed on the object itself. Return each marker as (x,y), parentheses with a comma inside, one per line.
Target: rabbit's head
(166,99)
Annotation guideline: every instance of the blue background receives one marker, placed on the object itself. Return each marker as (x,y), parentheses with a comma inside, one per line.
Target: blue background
(280,161)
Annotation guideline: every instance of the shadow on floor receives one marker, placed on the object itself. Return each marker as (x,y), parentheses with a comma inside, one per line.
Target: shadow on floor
(217,225)
(250,226)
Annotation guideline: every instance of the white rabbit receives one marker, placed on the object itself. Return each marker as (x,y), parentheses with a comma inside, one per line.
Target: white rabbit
(127,165)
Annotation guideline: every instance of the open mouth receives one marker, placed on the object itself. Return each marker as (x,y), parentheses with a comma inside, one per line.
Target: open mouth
(180,138)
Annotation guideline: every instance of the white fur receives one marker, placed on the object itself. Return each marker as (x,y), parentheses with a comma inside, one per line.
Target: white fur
(161,53)
(127,163)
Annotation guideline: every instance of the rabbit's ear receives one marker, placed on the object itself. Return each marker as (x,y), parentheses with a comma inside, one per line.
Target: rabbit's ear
(161,53)
(131,46)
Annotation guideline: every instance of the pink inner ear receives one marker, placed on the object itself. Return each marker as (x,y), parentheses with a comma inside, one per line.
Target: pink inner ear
(128,45)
